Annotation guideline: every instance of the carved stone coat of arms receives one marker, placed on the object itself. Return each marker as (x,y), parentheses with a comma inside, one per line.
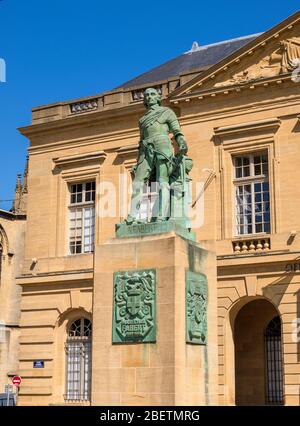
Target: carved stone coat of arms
(134,313)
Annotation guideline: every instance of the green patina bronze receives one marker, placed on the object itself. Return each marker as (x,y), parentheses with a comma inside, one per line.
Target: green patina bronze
(156,155)
(196,308)
(134,311)
(143,229)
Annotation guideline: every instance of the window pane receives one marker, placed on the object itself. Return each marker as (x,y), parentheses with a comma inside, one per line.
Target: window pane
(238,161)
(267,227)
(257,169)
(258,218)
(265,186)
(242,167)
(244,209)
(238,172)
(259,228)
(258,207)
(246,171)
(258,197)
(78,247)
(257,187)
(81,226)
(262,220)
(265,169)
(267,217)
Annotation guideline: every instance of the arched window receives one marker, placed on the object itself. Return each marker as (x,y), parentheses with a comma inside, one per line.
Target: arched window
(78,360)
(274,371)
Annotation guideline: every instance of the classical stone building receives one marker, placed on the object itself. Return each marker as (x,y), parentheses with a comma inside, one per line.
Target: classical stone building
(238,103)
(12,237)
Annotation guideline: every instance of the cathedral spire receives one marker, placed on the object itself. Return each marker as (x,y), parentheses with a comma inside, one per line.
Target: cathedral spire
(18,191)
(21,191)
(25,177)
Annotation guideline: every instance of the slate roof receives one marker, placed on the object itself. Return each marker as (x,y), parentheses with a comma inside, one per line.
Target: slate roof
(199,58)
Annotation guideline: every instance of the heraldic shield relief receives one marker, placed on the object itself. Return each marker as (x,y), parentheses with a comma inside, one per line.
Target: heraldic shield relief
(134,313)
(196,308)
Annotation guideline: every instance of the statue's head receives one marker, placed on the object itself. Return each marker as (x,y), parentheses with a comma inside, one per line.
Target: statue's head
(151,97)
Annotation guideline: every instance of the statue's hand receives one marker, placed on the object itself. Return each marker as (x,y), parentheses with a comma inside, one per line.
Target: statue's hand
(182,145)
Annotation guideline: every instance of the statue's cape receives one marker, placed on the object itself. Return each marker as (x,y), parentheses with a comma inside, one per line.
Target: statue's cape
(151,116)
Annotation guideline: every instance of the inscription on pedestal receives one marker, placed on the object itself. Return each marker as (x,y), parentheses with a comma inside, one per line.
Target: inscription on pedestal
(196,308)
(144,229)
(134,312)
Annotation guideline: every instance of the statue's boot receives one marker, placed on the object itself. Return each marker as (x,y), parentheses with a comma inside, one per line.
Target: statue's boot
(129,220)
(137,195)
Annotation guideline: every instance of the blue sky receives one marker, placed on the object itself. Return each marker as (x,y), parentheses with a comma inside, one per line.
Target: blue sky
(63,49)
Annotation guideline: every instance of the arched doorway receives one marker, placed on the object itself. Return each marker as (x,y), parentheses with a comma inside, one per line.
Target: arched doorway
(258,355)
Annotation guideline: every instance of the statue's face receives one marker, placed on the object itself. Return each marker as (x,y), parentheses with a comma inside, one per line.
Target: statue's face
(151,97)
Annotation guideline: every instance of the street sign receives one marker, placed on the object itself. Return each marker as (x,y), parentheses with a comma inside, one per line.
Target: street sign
(38,364)
(16,380)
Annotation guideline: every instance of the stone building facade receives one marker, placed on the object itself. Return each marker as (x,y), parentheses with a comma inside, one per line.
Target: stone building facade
(238,103)
(12,238)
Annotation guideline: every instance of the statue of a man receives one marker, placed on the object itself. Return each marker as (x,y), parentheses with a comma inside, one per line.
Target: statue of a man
(156,153)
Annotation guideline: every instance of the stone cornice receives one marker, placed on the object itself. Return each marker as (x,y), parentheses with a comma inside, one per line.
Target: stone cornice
(232,260)
(200,95)
(128,150)
(263,125)
(11,216)
(54,277)
(80,158)
(128,155)
(80,120)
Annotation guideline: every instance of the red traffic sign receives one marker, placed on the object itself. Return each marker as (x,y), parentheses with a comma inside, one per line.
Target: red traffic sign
(16,380)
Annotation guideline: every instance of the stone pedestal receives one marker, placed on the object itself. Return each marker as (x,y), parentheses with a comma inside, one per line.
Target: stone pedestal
(165,370)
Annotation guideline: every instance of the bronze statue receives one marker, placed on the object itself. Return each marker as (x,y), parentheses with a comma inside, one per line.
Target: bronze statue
(156,153)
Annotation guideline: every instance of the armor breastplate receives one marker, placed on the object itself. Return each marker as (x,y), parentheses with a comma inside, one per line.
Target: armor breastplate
(155,129)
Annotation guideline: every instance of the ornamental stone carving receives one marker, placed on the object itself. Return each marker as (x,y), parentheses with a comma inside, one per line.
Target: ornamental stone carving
(84,106)
(283,60)
(196,308)
(134,311)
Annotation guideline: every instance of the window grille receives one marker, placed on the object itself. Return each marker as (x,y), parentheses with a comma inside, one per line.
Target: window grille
(274,365)
(78,361)
(82,217)
(252,194)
